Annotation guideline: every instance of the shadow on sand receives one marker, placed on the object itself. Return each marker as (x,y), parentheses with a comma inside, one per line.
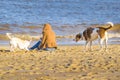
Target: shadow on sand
(4,50)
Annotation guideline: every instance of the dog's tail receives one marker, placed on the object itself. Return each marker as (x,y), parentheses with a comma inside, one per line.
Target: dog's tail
(9,35)
(110,26)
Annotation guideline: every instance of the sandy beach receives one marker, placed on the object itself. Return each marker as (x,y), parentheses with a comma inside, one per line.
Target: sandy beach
(66,63)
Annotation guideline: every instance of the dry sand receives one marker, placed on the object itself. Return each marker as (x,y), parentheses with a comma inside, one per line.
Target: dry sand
(66,63)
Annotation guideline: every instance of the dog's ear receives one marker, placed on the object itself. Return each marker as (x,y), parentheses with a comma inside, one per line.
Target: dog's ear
(79,35)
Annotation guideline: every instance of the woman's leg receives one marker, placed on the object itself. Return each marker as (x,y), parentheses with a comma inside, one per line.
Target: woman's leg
(35,46)
(50,49)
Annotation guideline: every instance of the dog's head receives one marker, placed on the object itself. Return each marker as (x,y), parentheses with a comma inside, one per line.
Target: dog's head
(77,37)
(9,35)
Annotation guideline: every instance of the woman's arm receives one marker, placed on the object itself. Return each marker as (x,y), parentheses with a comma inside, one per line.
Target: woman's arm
(43,41)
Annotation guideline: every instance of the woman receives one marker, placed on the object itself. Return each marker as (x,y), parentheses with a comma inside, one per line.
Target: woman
(48,41)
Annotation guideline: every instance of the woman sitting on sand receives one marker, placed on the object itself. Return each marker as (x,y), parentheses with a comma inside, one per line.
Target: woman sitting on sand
(48,41)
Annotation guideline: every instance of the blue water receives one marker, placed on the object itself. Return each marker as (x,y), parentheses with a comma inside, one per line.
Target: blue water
(67,17)
(59,11)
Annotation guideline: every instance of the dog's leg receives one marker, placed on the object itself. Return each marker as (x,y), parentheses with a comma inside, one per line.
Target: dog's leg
(11,48)
(90,45)
(86,45)
(26,49)
(14,47)
(106,44)
(101,43)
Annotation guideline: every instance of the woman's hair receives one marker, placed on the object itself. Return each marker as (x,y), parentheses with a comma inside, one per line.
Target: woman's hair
(47,27)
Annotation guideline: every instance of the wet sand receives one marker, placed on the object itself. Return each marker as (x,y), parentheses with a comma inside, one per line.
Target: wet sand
(35,32)
(66,63)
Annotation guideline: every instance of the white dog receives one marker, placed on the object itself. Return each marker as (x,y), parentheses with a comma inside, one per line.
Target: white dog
(92,33)
(17,42)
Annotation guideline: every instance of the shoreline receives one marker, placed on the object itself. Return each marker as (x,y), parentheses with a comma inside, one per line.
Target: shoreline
(69,41)
(64,30)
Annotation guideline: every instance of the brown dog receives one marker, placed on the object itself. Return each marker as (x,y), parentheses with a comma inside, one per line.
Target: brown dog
(91,34)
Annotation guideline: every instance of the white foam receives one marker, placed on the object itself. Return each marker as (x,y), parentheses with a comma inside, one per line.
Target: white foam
(111,35)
